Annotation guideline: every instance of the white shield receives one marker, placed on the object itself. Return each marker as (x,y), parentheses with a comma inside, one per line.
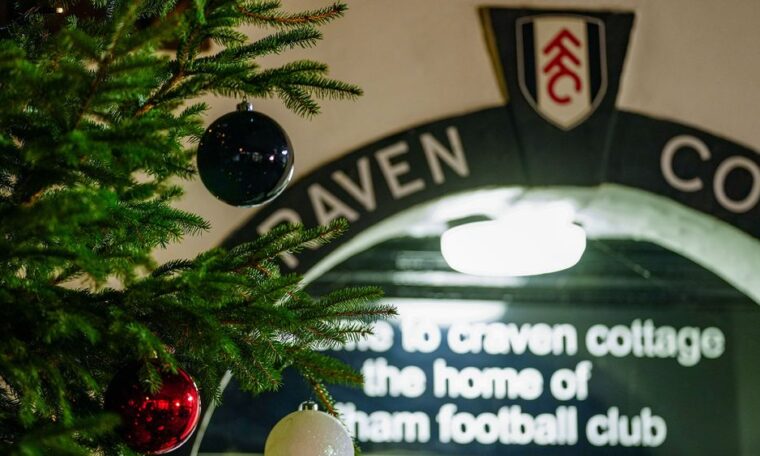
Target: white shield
(561,74)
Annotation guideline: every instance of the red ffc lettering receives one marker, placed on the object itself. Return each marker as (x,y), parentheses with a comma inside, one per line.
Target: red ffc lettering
(559,62)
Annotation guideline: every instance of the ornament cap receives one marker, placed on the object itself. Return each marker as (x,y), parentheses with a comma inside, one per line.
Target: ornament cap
(308,405)
(245,105)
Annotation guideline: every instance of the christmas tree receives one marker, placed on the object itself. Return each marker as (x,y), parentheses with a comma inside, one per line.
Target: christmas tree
(97,127)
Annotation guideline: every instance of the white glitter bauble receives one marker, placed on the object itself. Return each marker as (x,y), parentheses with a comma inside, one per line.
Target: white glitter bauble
(309,432)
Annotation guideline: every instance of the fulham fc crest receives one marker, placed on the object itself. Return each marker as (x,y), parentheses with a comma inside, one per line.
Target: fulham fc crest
(561,66)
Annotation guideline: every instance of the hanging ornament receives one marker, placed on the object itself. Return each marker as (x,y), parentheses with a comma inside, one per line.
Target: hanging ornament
(154,423)
(309,432)
(245,158)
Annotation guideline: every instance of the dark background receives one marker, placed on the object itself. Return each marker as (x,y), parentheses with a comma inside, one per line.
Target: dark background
(710,408)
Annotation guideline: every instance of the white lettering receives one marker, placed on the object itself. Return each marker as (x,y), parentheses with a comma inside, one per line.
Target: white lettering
(491,382)
(382,426)
(327,207)
(719,184)
(509,426)
(566,384)
(499,338)
(392,171)
(382,379)
(420,336)
(435,152)
(364,193)
(713,343)
(687,344)
(669,152)
(614,429)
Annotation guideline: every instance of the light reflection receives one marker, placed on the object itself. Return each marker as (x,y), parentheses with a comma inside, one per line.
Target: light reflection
(444,312)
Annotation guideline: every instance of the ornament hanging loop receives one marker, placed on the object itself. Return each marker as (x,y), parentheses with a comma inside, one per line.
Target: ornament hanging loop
(245,105)
(308,405)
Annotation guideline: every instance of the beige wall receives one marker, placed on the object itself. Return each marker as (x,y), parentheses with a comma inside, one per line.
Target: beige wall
(695,61)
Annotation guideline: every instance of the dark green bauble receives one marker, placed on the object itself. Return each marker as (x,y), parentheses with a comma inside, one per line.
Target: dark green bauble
(245,158)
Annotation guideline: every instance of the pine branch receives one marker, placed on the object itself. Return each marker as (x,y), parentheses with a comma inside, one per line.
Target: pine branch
(171,83)
(266,12)
(323,396)
(327,368)
(95,128)
(127,18)
(303,37)
(56,439)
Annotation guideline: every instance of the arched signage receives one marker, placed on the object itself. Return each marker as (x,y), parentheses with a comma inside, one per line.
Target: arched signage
(560,127)
(561,70)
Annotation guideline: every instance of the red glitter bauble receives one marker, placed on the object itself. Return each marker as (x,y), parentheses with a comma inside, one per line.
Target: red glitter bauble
(154,423)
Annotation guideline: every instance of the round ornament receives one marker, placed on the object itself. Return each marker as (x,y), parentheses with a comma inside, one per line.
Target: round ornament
(309,432)
(154,423)
(245,158)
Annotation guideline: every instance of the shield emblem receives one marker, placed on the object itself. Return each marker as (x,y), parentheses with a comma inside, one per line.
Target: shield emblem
(561,66)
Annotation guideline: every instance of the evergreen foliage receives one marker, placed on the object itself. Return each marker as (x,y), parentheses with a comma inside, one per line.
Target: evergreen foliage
(96,125)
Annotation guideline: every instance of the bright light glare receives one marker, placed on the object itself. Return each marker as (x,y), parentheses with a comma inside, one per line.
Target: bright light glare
(516,246)
(447,311)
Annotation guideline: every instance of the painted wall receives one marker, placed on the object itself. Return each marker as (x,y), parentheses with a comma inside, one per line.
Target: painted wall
(694,61)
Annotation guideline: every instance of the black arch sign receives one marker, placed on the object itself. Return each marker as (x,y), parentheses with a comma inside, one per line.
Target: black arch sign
(561,70)
(523,143)
(517,145)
